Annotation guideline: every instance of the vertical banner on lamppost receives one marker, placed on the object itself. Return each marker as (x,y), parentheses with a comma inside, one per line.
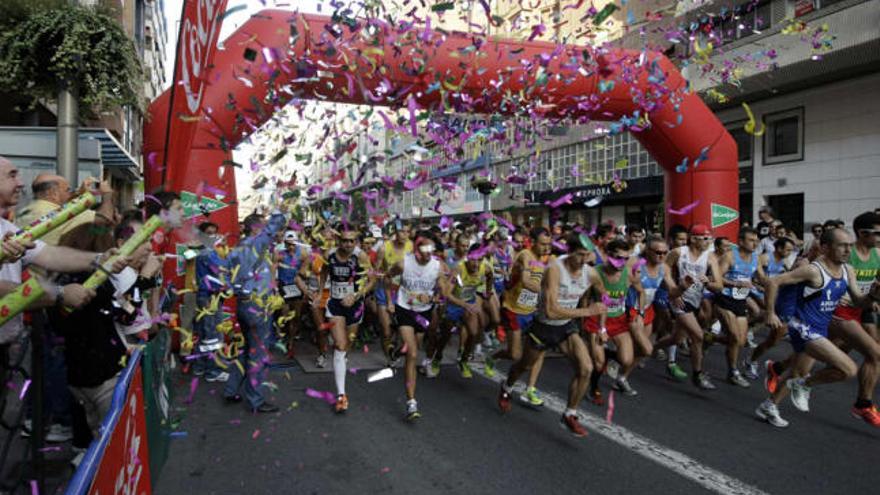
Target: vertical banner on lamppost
(199,29)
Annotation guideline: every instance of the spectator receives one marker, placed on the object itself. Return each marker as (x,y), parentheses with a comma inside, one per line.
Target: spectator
(765,213)
(53,191)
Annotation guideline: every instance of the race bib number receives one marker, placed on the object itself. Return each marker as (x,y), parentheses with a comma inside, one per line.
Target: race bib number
(313,284)
(740,292)
(865,286)
(341,290)
(289,291)
(468,293)
(527,299)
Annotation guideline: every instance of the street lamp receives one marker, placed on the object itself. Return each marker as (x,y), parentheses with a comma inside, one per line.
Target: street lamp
(485,186)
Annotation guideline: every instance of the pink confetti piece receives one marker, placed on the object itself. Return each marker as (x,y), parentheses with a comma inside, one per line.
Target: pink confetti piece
(35,488)
(255,434)
(366,349)
(610,412)
(193,385)
(235,422)
(684,210)
(386,470)
(24,389)
(327,397)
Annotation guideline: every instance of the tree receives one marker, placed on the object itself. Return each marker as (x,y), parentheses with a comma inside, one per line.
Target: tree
(48,45)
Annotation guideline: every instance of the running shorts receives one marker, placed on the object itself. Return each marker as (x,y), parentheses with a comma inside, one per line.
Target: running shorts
(353,315)
(647,319)
(419,321)
(738,307)
(801,334)
(543,337)
(516,321)
(614,325)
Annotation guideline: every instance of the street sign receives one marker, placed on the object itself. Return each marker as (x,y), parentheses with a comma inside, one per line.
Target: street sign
(194,205)
(723,215)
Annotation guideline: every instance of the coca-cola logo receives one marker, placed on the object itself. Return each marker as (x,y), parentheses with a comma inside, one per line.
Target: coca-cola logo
(199,34)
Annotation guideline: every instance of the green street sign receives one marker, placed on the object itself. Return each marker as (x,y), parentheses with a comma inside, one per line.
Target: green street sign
(194,206)
(723,215)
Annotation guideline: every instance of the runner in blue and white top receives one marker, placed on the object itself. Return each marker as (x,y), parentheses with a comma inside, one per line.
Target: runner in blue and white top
(821,286)
(738,266)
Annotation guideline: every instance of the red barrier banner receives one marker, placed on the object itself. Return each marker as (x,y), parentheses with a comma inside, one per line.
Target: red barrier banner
(125,463)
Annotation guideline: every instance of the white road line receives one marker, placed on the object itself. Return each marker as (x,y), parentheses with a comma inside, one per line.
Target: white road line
(671,459)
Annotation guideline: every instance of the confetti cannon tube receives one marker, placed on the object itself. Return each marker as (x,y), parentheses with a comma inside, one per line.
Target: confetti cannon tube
(18,300)
(134,242)
(52,220)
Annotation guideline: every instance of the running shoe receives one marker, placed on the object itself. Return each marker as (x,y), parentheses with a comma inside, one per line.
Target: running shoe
(736,378)
(800,393)
(660,355)
(703,382)
(530,397)
(59,433)
(622,385)
(465,369)
(675,371)
(321,361)
(612,369)
(750,339)
(423,367)
(573,425)
(412,410)
(770,413)
(221,377)
(751,370)
(503,400)
(771,379)
(341,403)
(869,414)
(435,369)
(596,397)
(489,367)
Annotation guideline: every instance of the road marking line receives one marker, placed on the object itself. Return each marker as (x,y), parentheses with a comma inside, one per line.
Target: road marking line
(673,460)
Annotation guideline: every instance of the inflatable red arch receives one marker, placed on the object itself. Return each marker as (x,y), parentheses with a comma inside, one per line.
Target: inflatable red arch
(256,59)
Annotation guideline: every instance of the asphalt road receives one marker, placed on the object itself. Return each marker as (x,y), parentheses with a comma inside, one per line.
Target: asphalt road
(671,438)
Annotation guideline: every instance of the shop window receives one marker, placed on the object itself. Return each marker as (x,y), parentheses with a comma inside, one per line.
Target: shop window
(784,136)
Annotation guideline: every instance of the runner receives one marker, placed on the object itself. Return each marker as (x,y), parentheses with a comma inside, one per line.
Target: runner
(388,255)
(821,286)
(347,272)
(318,294)
(561,301)
(420,273)
(692,265)
(774,266)
(738,266)
(288,264)
(471,277)
(857,326)
(664,322)
(617,276)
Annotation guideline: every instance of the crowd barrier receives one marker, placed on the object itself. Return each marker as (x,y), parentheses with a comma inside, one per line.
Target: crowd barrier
(133,444)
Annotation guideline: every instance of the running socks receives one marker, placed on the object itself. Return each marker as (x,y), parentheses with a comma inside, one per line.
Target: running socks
(339,370)
(570,412)
(673,351)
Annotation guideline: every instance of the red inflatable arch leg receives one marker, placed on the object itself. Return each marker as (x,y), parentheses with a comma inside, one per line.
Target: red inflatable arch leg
(232,108)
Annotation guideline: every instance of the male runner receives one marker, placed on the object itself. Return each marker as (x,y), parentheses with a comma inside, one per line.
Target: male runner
(616,276)
(560,301)
(471,277)
(774,265)
(420,274)
(288,264)
(520,303)
(692,265)
(822,284)
(738,266)
(350,282)
(663,325)
(390,254)
(857,326)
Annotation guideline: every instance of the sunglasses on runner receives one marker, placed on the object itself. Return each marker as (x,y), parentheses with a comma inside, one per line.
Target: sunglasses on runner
(869,232)
(660,253)
(703,237)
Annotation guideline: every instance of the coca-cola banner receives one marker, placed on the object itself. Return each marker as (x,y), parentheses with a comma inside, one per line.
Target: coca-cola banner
(200,27)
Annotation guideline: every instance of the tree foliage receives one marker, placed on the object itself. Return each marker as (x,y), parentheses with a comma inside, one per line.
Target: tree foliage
(49,48)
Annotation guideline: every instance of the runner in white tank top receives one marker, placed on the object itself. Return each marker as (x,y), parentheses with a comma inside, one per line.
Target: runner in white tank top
(696,270)
(421,274)
(561,301)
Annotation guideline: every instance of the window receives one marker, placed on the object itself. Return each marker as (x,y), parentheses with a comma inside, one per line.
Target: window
(789,208)
(744,142)
(784,136)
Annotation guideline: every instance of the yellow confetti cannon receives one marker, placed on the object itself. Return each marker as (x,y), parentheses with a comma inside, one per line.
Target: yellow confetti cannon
(52,220)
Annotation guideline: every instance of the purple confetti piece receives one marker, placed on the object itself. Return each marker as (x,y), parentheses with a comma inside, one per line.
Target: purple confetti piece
(24,389)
